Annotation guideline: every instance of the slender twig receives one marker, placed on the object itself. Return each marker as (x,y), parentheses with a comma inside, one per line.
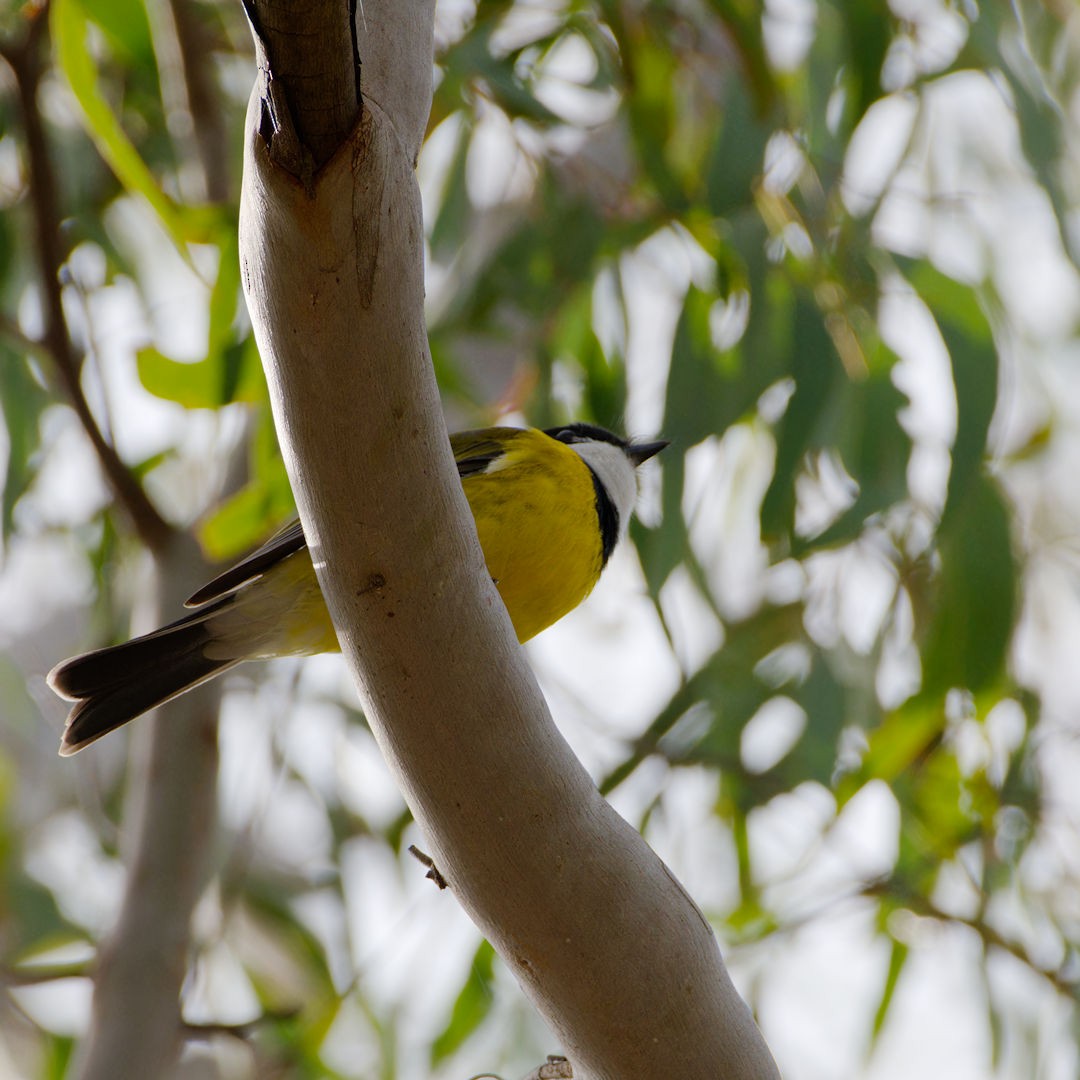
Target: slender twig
(1058,978)
(37,974)
(555,1068)
(25,61)
(424,859)
(204,99)
(241,1031)
(183,46)
(22,341)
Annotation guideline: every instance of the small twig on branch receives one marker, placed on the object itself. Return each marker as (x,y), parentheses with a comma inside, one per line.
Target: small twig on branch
(25,60)
(556,1068)
(433,871)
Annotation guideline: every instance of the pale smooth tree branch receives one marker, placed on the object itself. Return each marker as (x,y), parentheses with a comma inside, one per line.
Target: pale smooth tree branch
(169,824)
(596,929)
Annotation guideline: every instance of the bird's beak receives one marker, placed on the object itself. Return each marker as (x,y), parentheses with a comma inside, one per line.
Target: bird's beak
(639,453)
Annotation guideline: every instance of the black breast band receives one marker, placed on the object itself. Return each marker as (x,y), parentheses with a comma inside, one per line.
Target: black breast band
(608,516)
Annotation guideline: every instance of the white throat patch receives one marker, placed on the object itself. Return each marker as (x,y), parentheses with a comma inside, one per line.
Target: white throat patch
(615,471)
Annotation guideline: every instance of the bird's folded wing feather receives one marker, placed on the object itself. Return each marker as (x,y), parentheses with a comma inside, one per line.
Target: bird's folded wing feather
(473,453)
(284,542)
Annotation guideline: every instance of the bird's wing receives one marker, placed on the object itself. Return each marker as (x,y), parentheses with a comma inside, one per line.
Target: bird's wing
(474,451)
(286,541)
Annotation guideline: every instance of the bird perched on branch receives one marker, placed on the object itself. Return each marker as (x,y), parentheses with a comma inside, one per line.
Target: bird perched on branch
(549,507)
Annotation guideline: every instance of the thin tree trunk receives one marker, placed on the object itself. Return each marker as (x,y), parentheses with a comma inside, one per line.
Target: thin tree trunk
(135,1025)
(596,929)
(170,813)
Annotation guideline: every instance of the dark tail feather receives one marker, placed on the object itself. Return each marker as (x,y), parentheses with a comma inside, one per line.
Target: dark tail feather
(114,685)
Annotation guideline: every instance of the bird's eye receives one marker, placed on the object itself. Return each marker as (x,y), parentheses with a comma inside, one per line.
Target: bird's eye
(566,436)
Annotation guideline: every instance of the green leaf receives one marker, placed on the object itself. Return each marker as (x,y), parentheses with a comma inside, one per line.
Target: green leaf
(875,449)
(23,400)
(9,235)
(230,371)
(742,19)
(974,362)
(234,375)
(285,961)
(824,72)
(127,27)
(68,25)
(572,236)
(897,958)
(652,70)
(975,375)
(724,693)
(225,298)
(248,517)
(818,378)
(573,338)
(608,70)
(662,548)
(471,1007)
(975,603)
(706,392)
(830,707)
(455,209)
(904,737)
(473,60)
(1001,40)
(513,95)
(737,159)
(693,383)
(877,455)
(943,817)
(869,35)
(951,301)
(967,642)
(59,1050)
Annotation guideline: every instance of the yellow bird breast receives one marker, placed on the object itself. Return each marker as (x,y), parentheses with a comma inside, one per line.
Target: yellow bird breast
(536,518)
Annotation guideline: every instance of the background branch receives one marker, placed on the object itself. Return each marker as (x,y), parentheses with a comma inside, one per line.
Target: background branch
(135,1027)
(194,107)
(169,819)
(25,60)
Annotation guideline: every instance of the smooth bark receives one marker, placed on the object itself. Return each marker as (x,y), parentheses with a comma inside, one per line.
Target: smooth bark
(135,1026)
(596,929)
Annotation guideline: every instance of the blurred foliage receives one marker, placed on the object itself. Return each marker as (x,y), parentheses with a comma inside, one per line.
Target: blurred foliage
(677,131)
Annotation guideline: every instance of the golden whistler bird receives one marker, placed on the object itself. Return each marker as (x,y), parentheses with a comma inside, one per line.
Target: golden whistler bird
(549,506)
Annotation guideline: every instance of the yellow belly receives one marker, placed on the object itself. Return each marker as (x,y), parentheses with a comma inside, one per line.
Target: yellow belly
(537,526)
